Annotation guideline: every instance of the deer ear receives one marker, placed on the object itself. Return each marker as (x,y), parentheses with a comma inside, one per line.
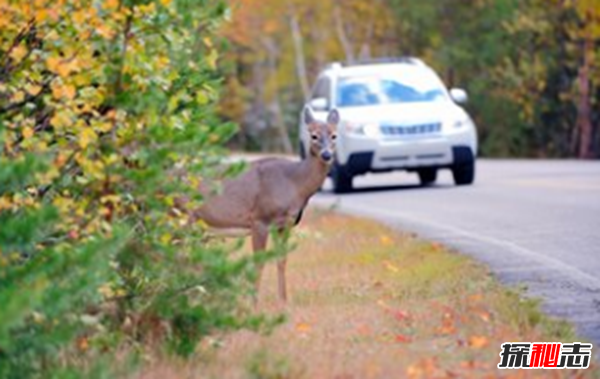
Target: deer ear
(333,117)
(309,118)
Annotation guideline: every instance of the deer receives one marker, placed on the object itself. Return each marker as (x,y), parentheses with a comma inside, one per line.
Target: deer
(273,192)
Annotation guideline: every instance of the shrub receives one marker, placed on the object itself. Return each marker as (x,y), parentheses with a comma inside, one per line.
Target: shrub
(106,117)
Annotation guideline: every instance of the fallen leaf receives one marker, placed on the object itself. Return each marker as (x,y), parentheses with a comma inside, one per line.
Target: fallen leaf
(447,329)
(402,338)
(390,266)
(447,326)
(386,240)
(414,371)
(426,368)
(401,315)
(383,304)
(363,330)
(436,246)
(478,342)
(485,316)
(468,364)
(303,327)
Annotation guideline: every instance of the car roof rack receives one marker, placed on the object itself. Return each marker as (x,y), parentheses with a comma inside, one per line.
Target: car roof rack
(381,60)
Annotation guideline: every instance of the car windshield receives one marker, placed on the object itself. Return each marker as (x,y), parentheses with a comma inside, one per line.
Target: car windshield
(402,87)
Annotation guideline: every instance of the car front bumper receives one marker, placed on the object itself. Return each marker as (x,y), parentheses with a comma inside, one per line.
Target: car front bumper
(362,154)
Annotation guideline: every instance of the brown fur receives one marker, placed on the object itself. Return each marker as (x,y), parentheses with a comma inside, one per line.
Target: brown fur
(273,192)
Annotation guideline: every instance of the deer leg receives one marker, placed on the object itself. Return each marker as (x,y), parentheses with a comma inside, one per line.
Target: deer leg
(281,264)
(260,234)
(282,238)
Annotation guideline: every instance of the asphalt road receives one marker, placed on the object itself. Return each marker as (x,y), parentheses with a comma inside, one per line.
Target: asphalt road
(535,223)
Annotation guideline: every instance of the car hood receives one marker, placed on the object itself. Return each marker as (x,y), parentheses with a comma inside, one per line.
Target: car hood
(404,114)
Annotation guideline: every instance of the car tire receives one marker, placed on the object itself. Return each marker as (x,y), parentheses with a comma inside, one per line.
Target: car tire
(427,176)
(464,174)
(342,179)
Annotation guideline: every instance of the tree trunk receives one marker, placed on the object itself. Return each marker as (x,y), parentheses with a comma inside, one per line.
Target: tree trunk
(275,106)
(342,36)
(299,56)
(584,109)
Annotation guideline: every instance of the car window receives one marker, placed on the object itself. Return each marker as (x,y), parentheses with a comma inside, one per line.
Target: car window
(321,89)
(365,90)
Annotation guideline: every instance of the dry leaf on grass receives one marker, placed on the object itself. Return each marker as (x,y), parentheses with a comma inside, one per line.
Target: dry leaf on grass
(390,266)
(303,327)
(402,338)
(386,240)
(478,342)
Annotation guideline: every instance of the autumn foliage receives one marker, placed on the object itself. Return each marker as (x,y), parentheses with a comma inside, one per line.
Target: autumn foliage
(531,67)
(106,116)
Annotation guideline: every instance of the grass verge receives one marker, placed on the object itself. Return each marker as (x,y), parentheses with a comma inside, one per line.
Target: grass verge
(369,302)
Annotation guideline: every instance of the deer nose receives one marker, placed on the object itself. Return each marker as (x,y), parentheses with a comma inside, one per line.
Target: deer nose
(326,155)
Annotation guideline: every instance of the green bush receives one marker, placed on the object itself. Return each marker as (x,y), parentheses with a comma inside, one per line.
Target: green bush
(106,117)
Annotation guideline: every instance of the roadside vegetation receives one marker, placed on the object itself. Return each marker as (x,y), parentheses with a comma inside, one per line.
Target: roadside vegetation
(106,118)
(370,302)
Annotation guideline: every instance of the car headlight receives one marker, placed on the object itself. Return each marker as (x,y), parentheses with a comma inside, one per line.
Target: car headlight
(366,129)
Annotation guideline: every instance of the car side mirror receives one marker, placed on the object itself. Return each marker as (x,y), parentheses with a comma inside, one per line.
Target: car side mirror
(459,95)
(319,104)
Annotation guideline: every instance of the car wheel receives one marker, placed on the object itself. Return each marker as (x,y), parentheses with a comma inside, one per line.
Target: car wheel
(427,176)
(464,174)
(342,179)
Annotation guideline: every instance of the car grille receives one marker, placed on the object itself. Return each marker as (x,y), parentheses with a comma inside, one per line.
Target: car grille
(407,130)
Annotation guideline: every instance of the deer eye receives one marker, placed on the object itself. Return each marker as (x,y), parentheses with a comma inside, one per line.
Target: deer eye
(314,137)
(333,137)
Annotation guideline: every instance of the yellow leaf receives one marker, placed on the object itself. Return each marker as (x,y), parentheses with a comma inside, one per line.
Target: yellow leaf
(166,238)
(5,202)
(41,15)
(211,59)
(61,119)
(18,97)
(53,63)
(106,290)
(104,31)
(166,3)
(65,68)
(27,132)
(110,4)
(104,127)
(86,137)
(79,17)
(60,91)
(202,98)
(147,9)
(18,53)
(69,91)
(33,89)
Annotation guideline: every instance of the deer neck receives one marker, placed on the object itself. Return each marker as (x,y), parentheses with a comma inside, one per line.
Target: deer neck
(309,176)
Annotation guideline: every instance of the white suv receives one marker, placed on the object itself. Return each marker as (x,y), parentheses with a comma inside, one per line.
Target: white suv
(395,115)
